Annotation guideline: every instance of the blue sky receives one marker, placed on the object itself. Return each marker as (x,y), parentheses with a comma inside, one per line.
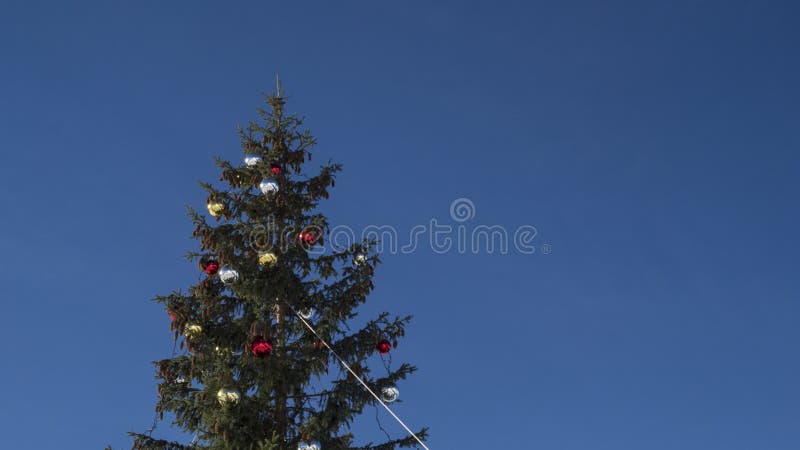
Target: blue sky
(653,145)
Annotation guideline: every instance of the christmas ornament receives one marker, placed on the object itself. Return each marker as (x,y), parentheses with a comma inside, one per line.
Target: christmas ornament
(267,259)
(215,208)
(383,347)
(275,169)
(171,315)
(268,187)
(304,446)
(307,313)
(211,267)
(228,396)
(389,394)
(180,380)
(261,346)
(252,160)
(307,237)
(228,275)
(192,330)
(360,259)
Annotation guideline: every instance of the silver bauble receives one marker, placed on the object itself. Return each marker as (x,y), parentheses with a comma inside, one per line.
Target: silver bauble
(307,313)
(252,160)
(390,394)
(228,275)
(268,187)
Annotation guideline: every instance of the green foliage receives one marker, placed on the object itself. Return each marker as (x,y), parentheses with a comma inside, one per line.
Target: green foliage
(298,393)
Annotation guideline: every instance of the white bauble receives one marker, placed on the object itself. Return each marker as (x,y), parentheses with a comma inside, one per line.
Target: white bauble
(360,259)
(252,160)
(390,394)
(228,396)
(228,275)
(304,446)
(268,187)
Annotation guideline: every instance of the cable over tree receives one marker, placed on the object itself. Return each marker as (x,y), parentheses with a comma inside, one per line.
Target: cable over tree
(250,374)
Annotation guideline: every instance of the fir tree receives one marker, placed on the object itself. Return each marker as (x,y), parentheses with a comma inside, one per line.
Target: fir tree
(250,374)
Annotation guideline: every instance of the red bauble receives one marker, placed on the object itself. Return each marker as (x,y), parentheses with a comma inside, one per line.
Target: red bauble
(261,346)
(212,267)
(307,237)
(383,347)
(275,169)
(171,315)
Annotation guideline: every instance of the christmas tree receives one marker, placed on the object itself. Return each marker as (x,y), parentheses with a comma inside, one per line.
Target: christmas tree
(268,359)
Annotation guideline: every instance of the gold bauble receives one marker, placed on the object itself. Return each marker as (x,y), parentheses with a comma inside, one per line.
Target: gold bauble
(215,208)
(228,396)
(267,259)
(192,331)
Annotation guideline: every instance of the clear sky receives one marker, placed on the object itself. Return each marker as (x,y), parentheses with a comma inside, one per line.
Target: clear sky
(653,145)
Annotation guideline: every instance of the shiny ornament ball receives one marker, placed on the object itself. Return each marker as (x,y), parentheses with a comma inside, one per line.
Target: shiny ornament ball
(383,347)
(307,313)
(307,237)
(171,315)
(275,169)
(268,187)
(304,446)
(267,259)
(211,268)
(180,380)
(228,396)
(215,208)
(251,161)
(360,259)
(390,394)
(228,275)
(261,347)
(192,330)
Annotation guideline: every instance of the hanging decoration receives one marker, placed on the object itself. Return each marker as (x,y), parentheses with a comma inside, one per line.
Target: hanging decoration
(383,347)
(192,330)
(275,169)
(307,313)
(228,275)
(307,237)
(304,446)
(215,208)
(268,187)
(252,160)
(360,259)
(267,259)
(209,266)
(389,394)
(228,396)
(261,347)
